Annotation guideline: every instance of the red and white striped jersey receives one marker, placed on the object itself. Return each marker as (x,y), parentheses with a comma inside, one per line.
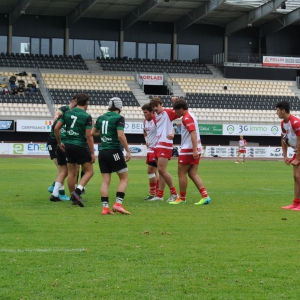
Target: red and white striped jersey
(290,130)
(242,144)
(189,123)
(164,127)
(150,129)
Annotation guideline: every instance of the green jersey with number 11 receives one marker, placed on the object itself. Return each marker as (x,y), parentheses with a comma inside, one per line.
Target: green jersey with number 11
(108,125)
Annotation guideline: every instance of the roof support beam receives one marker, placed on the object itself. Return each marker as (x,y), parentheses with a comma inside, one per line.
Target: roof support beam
(280,23)
(137,13)
(79,11)
(196,15)
(19,10)
(253,16)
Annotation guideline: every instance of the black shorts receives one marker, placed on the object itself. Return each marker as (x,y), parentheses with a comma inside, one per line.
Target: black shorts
(111,161)
(61,157)
(77,155)
(52,145)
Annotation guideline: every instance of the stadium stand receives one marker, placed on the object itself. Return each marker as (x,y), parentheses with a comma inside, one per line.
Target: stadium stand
(17,60)
(153,65)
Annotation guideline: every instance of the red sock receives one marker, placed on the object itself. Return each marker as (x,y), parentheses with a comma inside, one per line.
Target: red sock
(160,193)
(182,195)
(297,200)
(157,185)
(173,191)
(203,192)
(152,189)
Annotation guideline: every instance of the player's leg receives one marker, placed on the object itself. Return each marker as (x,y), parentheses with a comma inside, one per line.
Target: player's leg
(244,157)
(162,163)
(121,189)
(198,182)
(151,171)
(59,182)
(104,193)
(238,157)
(182,178)
(296,203)
(72,176)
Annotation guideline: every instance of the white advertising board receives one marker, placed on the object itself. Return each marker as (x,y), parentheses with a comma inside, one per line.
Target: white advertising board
(34,125)
(280,61)
(253,130)
(151,79)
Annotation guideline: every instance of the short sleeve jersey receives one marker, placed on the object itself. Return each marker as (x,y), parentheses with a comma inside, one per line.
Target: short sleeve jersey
(62,109)
(164,127)
(150,130)
(242,144)
(290,131)
(76,121)
(108,124)
(188,124)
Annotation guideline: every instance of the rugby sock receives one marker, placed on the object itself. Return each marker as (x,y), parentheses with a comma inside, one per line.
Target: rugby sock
(104,201)
(79,189)
(152,189)
(182,195)
(173,191)
(157,184)
(61,190)
(203,192)
(119,197)
(57,185)
(160,193)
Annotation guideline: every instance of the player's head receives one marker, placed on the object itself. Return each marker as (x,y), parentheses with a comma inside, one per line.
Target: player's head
(156,104)
(147,111)
(283,108)
(115,104)
(180,106)
(73,102)
(241,137)
(82,100)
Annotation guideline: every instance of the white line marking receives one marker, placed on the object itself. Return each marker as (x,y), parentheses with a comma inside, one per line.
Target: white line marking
(41,250)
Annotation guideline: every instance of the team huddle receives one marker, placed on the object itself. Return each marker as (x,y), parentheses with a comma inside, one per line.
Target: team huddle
(71,145)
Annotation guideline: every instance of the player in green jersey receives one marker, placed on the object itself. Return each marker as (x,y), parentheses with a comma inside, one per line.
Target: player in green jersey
(79,145)
(59,190)
(110,128)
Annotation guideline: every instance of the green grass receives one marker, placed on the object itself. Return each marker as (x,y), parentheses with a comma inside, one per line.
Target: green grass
(242,246)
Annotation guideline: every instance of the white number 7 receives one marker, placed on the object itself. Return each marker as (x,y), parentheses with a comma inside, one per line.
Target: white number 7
(73,123)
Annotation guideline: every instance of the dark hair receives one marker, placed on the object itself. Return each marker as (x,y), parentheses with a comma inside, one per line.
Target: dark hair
(180,103)
(155,101)
(147,106)
(82,99)
(283,105)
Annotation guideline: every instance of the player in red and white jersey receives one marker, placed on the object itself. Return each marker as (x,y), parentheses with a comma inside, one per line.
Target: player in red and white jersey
(241,149)
(290,126)
(189,157)
(164,145)
(150,138)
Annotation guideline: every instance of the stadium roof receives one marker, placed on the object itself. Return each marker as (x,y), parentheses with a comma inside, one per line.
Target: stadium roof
(234,15)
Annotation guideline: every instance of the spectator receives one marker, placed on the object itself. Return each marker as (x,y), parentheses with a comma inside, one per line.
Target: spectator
(21,90)
(33,88)
(5,90)
(15,91)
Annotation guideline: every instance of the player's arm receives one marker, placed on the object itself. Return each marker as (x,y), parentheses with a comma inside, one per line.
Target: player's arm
(171,136)
(123,141)
(284,147)
(194,143)
(95,132)
(57,129)
(146,138)
(90,141)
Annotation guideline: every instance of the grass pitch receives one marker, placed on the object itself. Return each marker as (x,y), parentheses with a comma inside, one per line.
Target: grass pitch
(242,246)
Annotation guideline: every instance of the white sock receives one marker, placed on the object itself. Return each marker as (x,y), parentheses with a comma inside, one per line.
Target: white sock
(56,188)
(80,187)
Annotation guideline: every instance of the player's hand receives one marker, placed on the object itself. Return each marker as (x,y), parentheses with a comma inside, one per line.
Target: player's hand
(195,154)
(287,161)
(93,158)
(173,99)
(170,136)
(57,115)
(127,156)
(62,147)
(295,162)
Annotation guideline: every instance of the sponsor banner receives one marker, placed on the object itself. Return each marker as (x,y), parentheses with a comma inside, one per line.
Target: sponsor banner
(34,125)
(255,152)
(7,125)
(28,149)
(254,130)
(151,79)
(277,61)
(210,129)
(133,127)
